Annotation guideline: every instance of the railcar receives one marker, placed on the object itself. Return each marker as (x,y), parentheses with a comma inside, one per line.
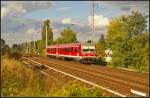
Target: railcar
(83,52)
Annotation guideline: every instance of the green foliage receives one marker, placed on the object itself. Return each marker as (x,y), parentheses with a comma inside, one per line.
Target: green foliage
(14,54)
(4,47)
(67,36)
(77,89)
(127,38)
(18,80)
(41,46)
(100,61)
(49,32)
(100,46)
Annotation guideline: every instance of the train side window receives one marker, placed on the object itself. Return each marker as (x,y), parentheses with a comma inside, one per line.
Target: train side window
(65,49)
(75,49)
(78,50)
(70,49)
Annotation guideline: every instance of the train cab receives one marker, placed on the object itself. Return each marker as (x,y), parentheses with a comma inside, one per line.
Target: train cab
(88,53)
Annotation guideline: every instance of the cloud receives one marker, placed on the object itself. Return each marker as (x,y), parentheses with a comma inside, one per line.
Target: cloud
(15,24)
(31,31)
(125,8)
(142,6)
(19,25)
(67,21)
(12,10)
(12,15)
(29,5)
(99,21)
(64,8)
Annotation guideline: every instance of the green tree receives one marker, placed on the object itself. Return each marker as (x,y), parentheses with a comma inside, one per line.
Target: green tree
(100,44)
(67,36)
(40,46)
(128,41)
(49,32)
(2,45)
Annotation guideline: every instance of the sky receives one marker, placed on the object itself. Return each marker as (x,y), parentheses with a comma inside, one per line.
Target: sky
(21,21)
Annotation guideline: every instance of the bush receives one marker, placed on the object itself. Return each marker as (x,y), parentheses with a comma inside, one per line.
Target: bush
(100,61)
(16,55)
(17,80)
(76,88)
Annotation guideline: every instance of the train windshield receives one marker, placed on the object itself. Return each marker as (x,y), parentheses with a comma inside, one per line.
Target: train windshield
(88,49)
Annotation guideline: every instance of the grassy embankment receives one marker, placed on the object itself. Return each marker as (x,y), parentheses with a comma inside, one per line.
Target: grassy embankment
(19,80)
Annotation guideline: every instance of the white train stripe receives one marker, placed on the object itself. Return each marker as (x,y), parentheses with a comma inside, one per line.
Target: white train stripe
(83,80)
(71,56)
(138,93)
(66,56)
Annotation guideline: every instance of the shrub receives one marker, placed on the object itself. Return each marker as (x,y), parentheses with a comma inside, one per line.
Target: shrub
(16,55)
(76,88)
(100,61)
(18,80)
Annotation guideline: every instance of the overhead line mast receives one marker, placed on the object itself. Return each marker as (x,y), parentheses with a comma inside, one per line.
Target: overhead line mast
(92,20)
(46,41)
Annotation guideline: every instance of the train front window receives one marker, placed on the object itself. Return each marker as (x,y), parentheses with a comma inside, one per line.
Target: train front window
(88,49)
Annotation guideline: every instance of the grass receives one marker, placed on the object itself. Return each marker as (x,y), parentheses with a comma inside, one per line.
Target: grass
(18,80)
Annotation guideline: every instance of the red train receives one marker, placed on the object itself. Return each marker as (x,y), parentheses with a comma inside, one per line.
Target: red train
(84,52)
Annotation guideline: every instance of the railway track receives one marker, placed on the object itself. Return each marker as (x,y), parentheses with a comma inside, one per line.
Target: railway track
(122,83)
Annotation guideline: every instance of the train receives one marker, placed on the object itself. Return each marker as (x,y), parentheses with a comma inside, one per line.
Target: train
(83,52)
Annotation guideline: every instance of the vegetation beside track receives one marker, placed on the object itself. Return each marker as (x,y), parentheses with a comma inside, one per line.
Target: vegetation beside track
(18,80)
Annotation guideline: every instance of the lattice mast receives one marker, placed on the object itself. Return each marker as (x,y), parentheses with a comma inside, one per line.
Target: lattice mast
(92,20)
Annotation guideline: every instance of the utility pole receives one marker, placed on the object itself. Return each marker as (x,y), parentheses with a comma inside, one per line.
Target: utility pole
(92,20)
(27,47)
(46,42)
(34,42)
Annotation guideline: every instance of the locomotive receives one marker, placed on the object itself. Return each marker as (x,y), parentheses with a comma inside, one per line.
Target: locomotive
(83,52)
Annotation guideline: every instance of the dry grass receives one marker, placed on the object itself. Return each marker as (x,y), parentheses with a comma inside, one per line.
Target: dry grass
(18,80)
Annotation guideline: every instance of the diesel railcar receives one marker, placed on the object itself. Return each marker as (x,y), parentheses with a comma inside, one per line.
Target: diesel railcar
(83,52)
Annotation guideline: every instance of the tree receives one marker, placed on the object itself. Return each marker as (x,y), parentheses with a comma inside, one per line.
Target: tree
(49,32)
(100,46)
(135,23)
(129,43)
(4,47)
(2,42)
(40,46)
(67,36)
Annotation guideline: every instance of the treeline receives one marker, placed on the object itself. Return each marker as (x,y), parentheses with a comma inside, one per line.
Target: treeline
(128,38)
(38,47)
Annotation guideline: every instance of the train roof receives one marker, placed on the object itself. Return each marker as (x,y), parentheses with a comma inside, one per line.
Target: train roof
(68,45)
(64,45)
